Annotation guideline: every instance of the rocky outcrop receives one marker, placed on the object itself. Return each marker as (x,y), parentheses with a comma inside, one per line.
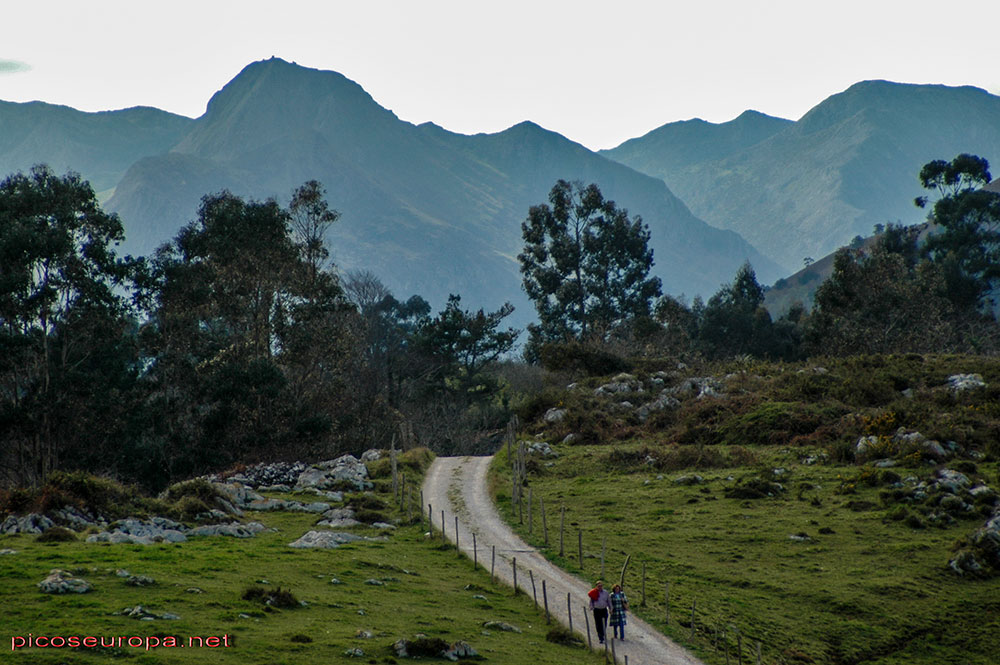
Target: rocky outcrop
(61,581)
(324,540)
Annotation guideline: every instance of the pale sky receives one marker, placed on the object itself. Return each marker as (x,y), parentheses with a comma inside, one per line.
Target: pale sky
(597,72)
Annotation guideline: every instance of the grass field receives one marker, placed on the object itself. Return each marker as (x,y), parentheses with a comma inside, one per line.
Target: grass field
(424,588)
(830,569)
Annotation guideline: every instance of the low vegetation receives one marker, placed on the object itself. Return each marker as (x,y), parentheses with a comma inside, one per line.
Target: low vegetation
(257,600)
(757,507)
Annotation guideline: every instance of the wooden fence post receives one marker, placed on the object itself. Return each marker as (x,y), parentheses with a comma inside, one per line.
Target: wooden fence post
(475,553)
(493,566)
(443,540)
(569,610)
(513,563)
(545,599)
(534,592)
(579,544)
(586,620)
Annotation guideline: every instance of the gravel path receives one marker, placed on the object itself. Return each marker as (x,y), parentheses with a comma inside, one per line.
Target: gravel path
(457,485)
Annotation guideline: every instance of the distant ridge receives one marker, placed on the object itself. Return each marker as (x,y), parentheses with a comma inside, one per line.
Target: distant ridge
(428,210)
(810,186)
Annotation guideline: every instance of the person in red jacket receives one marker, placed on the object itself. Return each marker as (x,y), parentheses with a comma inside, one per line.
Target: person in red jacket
(599,603)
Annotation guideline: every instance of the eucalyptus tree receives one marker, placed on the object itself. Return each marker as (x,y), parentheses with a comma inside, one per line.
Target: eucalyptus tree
(65,358)
(585,265)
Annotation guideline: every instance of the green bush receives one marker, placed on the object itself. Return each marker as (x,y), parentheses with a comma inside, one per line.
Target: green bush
(197,487)
(56,534)
(187,508)
(280,598)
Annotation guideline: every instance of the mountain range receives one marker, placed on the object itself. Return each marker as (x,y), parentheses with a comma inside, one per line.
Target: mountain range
(803,189)
(434,212)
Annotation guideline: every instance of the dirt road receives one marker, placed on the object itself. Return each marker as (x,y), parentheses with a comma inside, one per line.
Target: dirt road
(457,485)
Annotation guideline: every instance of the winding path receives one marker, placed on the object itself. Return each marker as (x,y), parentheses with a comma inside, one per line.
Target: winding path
(457,485)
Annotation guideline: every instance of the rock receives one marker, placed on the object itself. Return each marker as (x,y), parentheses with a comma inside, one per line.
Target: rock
(324,540)
(541,448)
(865,445)
(570,439)
(338,518)
(364,634)
(958,383)
(689,479)
(60,581)
(139,580)
(346,469)
(31,523)
(950,481)
(374,582)
(500,625)
(619,385)
(554,415)
(356,652)
(371,455)
(383,525)
(460,649)
(664,401)
(142,532)
(701,387)
(233,529)
(7,551)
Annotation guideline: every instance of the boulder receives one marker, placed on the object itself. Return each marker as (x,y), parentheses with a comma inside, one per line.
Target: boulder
(324,540)
(60,581)
(664,401)
(554,415)
(31,523)
(958,383)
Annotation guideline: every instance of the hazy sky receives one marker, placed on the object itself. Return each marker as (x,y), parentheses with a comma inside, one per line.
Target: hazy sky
(596,72)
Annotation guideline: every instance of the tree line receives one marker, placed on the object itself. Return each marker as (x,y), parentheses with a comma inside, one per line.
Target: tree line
(235,342)
(239,341)
(586,267)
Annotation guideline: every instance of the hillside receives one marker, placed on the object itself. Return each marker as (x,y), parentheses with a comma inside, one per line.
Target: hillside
(838,511)
(101,146)
(429,211)
(810,186)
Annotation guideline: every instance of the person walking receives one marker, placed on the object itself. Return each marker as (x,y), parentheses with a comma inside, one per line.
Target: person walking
(619,605)
(599,603)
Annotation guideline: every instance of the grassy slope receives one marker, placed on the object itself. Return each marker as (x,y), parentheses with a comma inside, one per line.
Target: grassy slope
(863,588)
(424,592)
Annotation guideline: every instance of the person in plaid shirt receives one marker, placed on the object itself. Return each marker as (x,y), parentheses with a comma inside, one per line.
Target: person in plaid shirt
(619,605)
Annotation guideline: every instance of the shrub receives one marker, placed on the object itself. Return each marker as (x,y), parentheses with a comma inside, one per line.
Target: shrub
(189,507)
(426,647)
(754,487)
(197,487)
(56,534)
(278,597)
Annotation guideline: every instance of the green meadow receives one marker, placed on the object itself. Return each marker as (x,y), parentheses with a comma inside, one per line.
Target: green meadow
(781,541)
(397,588)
